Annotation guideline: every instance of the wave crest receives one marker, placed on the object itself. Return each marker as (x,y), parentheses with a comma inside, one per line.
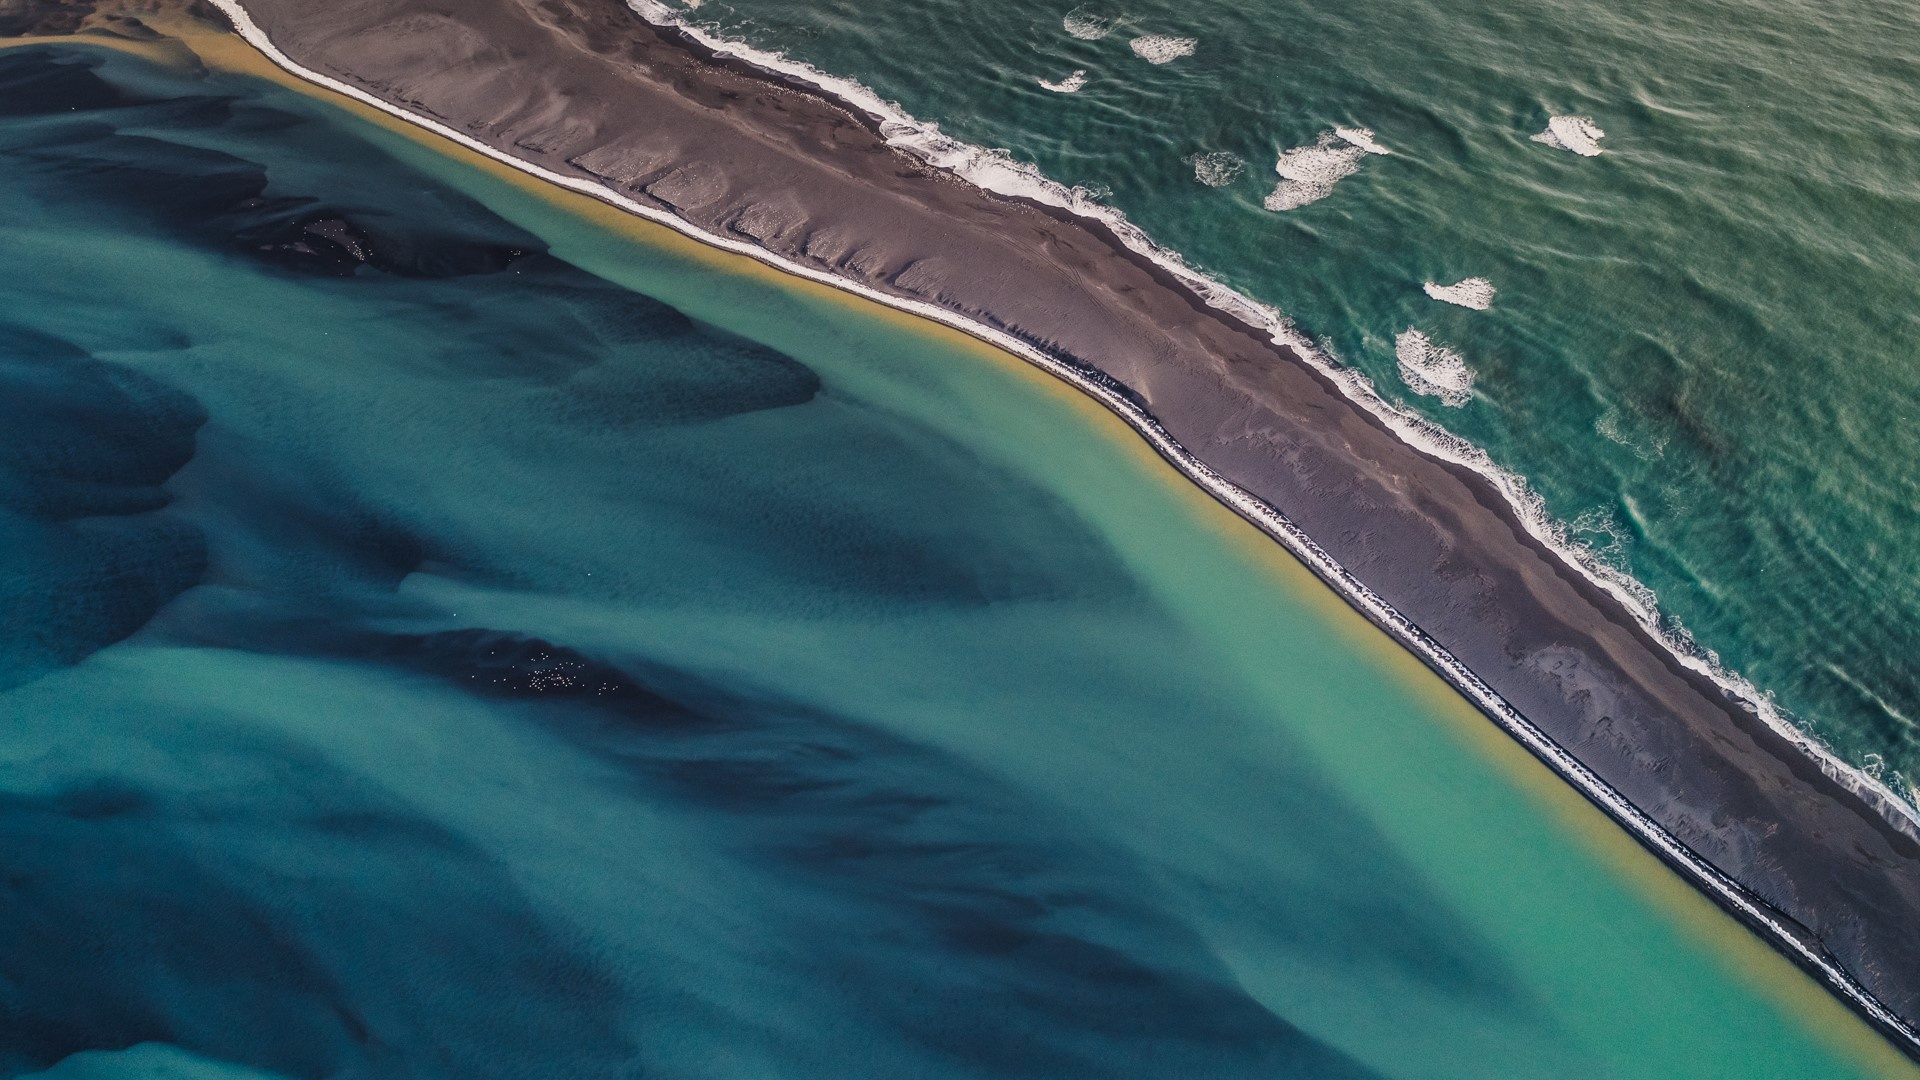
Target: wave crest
(1576,133)
(1433,369)
(1067,85)
(1160,49)
(1474,292)
(1308,173)
(1217,169)
(1090,27)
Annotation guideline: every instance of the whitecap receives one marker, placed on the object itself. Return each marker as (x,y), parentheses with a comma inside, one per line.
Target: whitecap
(1613,425)
(1090,27)
(1362,138)
(1602,531)
(1217,169)
(1433,370)
(1474,292)
(1576,133)
(1157,49)
(1067,85)
(1308,173)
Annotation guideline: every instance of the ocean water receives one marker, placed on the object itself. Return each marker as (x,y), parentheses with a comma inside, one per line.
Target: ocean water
(1698,221)
(455,631)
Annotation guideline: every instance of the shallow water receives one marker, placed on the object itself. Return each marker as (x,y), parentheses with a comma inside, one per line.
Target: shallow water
(558,650)
(1698,349)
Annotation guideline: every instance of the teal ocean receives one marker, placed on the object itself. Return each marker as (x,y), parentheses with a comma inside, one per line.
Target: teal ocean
(1699,347)
(450,632)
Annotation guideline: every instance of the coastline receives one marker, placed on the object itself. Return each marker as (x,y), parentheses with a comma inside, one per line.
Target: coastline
(995,172)
(1125,398)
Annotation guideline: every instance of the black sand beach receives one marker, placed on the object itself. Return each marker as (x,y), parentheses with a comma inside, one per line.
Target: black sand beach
(586,88)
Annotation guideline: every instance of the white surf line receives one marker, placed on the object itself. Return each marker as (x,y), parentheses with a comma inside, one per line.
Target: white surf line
(996,171)
(1109,392)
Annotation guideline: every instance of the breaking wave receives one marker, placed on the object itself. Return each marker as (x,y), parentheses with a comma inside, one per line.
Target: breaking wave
(1362,138)
(1308,173)
(1433,370)
(1576,133)
(1091,27)
(1067,85)
(1217,169)
(1156,49)
(1474,292)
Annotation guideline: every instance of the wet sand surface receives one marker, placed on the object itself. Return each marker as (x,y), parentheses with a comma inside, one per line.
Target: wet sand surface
(586,88)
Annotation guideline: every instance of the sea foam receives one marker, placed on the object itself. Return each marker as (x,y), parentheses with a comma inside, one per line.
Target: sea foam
(1576,133)
(1217,169)
(1308,173)
(1432,369)
(996,171)
(1474,292)
(1362,138)
(1158,49)
(1067,85)
(1090,27)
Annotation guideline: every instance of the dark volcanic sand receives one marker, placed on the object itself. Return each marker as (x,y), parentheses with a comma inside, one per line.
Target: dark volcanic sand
(586,88)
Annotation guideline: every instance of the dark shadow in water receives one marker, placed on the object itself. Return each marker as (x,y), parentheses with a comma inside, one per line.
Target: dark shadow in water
(317,929)
(42,82)
(605,361)
(69,124)
(691,373)
(87,551)
(1030,950)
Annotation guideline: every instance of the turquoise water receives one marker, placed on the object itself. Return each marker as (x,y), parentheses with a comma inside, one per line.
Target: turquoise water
(447,637)
(1699,349)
